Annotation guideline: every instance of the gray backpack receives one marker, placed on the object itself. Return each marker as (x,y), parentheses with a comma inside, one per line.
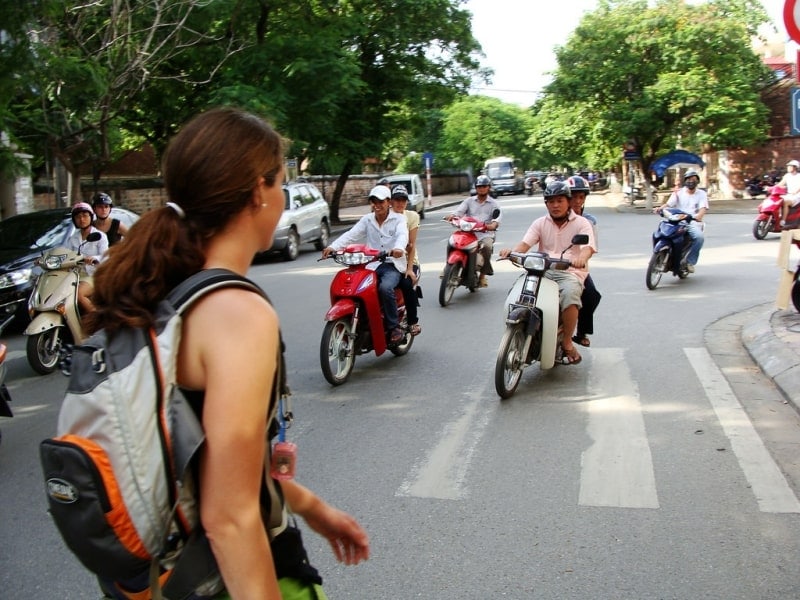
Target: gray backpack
(119,474)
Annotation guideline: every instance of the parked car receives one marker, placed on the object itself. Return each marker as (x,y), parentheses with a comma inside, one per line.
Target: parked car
(23,238)
(416,193)
(305,218)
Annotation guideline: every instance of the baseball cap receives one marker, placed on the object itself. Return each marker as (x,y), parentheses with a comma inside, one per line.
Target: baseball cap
(381,192)
(400,191)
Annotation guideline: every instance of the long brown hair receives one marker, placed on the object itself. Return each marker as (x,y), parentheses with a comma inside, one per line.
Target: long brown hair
(210,168)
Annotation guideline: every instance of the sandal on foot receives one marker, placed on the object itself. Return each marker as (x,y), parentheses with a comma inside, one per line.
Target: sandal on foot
(415,329)
(571,358)
(582,340)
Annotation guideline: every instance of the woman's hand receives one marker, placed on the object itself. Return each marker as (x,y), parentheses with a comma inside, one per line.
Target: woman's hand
(347,538)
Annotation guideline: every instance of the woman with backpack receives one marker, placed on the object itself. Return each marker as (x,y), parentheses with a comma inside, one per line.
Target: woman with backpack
(223,173)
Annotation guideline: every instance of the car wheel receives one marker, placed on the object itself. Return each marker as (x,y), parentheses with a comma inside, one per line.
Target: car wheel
(324,236)
(292,249)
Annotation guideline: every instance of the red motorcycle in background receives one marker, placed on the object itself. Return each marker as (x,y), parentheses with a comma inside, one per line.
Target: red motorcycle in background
(769,214)
(354,322)
(463,260)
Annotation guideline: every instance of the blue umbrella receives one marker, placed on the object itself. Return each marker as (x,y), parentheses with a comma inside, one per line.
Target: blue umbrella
(676,157)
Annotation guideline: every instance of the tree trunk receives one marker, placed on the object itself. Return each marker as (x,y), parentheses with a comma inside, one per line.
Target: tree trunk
(347,169)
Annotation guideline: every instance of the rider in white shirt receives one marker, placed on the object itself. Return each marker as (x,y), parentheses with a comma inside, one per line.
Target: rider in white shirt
(692,200)
(82,217)
(383,229)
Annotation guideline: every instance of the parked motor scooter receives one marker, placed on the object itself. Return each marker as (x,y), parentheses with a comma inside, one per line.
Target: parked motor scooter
(464,262)
(532,319)
(53,307)
(769,214)
(671,245)
(354,322)
(5,397)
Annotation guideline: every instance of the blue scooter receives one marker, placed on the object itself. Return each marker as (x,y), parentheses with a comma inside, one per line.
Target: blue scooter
(671,245)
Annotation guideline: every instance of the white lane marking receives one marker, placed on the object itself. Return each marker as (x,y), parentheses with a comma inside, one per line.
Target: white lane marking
(443,472)
(772,491)
(617,469)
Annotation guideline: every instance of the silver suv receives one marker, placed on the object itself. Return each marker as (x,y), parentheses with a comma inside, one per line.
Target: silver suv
(305,218)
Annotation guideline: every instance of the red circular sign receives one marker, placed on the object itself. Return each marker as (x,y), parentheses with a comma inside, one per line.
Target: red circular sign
(791,18)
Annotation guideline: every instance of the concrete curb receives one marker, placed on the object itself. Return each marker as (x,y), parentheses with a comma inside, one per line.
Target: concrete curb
(772,338)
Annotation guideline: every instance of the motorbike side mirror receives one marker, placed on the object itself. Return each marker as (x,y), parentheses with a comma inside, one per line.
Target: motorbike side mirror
(93,237)
(580,239)
(495,213)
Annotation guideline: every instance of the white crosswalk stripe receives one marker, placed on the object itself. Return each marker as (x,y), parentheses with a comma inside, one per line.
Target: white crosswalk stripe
(617,469)
(765,478)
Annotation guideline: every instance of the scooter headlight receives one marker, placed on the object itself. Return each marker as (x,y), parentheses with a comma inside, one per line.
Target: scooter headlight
(467,225)
(353,258)
(53,261)
(534,262)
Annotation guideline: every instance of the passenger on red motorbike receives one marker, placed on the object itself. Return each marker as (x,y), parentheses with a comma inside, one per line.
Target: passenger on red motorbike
(791,181)
(481,206)
(552,233)
(384,230)
(694,201)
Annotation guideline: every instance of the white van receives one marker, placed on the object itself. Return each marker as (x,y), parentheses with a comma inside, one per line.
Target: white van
(506,177)
(416,193)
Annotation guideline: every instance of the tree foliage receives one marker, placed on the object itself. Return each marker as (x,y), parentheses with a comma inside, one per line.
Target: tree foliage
(663,75)
(479,127)
(342,79)
(94,60)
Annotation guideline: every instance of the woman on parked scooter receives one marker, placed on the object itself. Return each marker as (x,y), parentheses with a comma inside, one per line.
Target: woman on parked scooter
(590,297)
(82,217)
(223,173)
(692,200)
(114,229)
(408,284)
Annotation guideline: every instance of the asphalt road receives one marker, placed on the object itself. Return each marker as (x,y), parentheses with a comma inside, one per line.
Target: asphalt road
(641,473)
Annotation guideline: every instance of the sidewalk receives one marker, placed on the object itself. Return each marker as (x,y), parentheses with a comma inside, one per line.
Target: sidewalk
(770,336)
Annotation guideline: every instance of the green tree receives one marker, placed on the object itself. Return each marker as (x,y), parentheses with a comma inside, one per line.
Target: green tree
(94,60)
(663,75)
(479,127)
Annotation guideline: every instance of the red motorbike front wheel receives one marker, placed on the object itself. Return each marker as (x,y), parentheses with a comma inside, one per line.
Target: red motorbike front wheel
(762,228)
(451,279)
(337,354)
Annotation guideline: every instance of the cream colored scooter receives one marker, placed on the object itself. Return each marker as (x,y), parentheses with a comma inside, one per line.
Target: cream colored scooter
(53,307)
(532,319)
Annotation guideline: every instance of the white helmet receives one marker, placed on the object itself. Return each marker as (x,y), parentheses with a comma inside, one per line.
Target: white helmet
(793,163)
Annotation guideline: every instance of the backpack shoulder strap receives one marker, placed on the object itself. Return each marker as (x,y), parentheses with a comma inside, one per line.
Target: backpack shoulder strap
(203,282)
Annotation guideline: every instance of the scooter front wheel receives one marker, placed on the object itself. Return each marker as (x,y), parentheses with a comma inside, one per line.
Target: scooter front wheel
(796,294)
(43,350)
(762,228)
(336,352)
(451,279)
(510,361)
(656,268)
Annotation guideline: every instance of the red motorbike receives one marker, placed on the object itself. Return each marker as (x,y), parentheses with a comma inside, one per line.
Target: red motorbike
(769,214)
(354,322)
(464,262)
